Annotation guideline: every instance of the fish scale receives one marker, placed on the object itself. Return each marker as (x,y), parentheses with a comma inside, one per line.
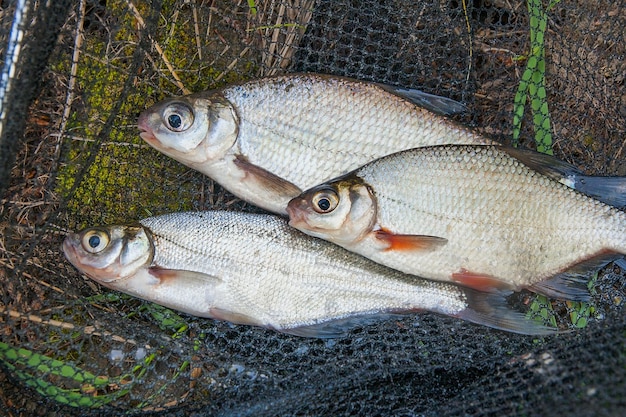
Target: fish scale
(501,220)
(254,269)
(320,127)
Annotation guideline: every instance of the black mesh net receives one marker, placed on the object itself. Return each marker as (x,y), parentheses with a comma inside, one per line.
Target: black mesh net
(544,74)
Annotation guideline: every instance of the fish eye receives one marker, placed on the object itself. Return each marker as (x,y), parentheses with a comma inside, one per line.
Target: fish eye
(95,241)
(325,201)
(178,117)
(174,121)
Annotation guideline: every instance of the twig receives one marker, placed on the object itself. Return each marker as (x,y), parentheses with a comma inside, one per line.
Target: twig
(469,36)
(78,43)
(173,28)
(279,34)
(90,330)
(27,275)
(232,64)
(127,144)
(156,45)
(196,29)
(276,31)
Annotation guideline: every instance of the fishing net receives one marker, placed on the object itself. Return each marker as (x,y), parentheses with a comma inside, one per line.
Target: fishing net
(546,75)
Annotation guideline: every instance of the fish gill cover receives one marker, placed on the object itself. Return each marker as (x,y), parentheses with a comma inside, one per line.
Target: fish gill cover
(546,74)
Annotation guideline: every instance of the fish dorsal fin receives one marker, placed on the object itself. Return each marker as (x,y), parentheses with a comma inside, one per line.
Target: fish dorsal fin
(609,190)
(543,163)
(440,105)
(572,284)
(398,242)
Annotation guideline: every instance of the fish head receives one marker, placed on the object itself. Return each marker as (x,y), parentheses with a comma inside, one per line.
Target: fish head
(195,129)
(109,254)
(342,211)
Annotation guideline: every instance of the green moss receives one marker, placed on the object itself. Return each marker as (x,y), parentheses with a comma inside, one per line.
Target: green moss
(113,178)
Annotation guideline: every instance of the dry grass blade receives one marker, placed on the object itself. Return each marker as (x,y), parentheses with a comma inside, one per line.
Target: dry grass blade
(281,28)
(232,64)
(89,330)
(71,85)
(196,29)
(159,50)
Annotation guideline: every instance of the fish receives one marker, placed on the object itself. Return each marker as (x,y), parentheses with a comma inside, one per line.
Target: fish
(254,269)
(267,140)
(479,216)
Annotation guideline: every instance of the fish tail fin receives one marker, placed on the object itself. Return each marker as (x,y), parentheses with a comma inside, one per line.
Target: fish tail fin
(572,284)
(570,287)
(610,190)
(492,309)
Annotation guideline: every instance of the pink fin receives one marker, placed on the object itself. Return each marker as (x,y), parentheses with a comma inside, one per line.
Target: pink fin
(266,179)
(409,242)
(493,310)
(480,282)
(183,277)
(571,285)
(163,274)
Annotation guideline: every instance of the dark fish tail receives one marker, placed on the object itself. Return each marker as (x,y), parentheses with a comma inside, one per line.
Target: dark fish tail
(491,309)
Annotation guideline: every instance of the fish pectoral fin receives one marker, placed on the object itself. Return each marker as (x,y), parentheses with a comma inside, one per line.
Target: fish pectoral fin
(492,309)
(179,276)
(572,284)
(338,327)
(409,242)
(480,282)
(436,104)
(266,179)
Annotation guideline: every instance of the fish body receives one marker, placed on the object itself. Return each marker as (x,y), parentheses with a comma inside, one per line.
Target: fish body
(267,140)
(476,215)
(254,269)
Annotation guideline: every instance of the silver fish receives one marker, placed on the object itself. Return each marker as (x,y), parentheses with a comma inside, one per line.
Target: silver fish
(268,140)
(254,269)
(475,215)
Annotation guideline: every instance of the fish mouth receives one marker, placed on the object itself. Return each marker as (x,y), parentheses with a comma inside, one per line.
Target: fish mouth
(148,137)
(145,132)
(68,249)
(297,216)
